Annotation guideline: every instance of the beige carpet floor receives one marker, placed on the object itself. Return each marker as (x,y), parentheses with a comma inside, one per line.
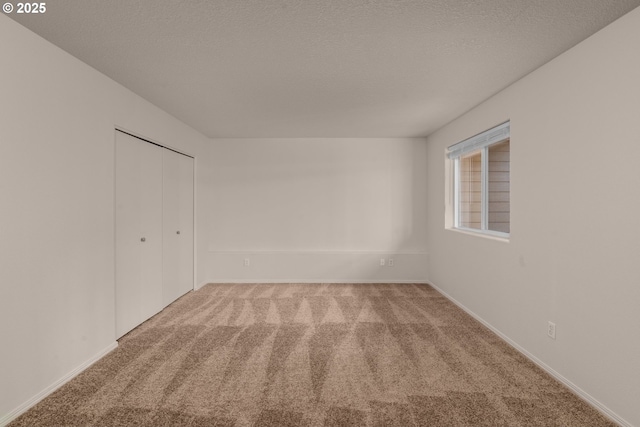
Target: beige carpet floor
(312,355)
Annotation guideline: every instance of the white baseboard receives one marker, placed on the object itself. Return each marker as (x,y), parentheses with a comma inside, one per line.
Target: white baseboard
(315,267)
(577,390)
(53,387)
(249,281)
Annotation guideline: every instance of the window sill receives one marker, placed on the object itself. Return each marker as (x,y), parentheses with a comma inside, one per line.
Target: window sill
(491,235)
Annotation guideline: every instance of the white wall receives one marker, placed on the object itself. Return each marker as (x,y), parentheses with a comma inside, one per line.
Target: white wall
(57,120)
(316,209)
(574,253)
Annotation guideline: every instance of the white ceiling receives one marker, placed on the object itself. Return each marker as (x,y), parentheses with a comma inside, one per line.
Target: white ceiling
(319,68)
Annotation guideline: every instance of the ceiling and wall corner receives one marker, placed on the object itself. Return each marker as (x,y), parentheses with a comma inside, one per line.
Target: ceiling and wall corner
(319,68)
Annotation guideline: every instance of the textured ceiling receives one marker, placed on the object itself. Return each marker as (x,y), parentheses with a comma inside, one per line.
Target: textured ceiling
(319,68)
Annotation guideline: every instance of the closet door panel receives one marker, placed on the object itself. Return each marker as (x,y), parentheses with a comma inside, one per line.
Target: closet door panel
(128,251)
(151,226)
(177,225)
(186,257)
(138,216)
(171,226)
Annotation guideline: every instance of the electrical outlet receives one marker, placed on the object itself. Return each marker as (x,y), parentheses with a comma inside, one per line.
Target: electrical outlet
(247,262)
(390,262)
(551,330)
(382,262)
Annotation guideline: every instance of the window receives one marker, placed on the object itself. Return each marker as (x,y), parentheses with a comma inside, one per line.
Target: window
(481,182)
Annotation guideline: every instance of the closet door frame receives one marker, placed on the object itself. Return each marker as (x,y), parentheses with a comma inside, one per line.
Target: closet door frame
(193,219)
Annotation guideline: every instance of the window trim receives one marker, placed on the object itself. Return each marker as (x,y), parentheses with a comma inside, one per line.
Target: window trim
(479,143)
(493,235)
(483,139)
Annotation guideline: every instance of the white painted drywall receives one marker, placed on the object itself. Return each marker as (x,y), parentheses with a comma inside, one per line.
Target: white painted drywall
(57,119)
(316,209)
(574,253)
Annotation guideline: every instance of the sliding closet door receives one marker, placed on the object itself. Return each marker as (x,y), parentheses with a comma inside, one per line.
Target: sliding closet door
(178,225)
(171,218)
(138,232)
(186,259)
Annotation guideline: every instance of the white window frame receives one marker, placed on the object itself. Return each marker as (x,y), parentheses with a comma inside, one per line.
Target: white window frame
(478,143)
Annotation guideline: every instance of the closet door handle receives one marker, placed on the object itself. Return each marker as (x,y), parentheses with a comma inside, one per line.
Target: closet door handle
(144,239)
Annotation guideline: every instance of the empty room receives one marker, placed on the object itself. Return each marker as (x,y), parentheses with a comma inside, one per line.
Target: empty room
(320,213)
